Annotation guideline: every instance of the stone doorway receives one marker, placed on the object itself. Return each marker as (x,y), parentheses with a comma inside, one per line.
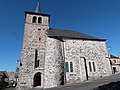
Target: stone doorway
(37,79)
(114,70)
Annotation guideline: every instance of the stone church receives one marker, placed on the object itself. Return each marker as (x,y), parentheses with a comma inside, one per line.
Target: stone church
(52,57)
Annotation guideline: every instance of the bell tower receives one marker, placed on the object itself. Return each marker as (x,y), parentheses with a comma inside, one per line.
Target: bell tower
(36,27)
(33,49)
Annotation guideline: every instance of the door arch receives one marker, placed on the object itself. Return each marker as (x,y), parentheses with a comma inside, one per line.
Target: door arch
(37,79)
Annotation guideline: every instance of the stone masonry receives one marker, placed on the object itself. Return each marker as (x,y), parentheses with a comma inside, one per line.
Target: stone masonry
(51,58)
(34,39)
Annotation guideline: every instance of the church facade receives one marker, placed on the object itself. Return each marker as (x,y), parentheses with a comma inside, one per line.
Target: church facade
(52,57)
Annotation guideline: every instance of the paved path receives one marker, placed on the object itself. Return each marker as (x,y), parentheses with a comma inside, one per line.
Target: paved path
(89,85)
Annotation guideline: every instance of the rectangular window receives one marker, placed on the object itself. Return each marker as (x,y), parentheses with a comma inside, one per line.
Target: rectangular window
(90,67)
(71,67)
(114,61)
(36,59)
(94,67)
(67,67)
(36,54)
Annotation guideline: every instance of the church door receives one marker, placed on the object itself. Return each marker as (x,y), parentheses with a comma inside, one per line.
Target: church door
(37,79)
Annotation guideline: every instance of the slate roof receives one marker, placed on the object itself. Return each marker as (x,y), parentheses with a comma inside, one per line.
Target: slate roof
(35,13)
(71,34)
(112,56)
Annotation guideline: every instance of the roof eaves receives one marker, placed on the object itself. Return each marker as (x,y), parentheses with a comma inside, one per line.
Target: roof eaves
(52,36)
(27,12)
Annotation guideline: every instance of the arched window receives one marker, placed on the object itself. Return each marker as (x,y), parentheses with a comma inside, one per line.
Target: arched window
(36,59)
(37,79)
(39,20)
(34,20)
(71,67)
(67,67)
(90,67)
(94,67)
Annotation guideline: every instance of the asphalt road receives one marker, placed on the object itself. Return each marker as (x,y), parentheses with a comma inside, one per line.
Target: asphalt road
(89,85)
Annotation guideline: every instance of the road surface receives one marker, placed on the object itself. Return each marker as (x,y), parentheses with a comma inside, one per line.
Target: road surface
(89,85)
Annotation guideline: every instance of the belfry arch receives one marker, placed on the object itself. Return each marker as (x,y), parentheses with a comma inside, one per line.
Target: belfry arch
(37,79)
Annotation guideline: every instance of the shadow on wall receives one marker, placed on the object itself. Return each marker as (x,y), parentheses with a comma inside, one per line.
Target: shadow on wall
(110,86)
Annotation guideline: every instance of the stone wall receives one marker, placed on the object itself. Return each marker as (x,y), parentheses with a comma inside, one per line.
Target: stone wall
(52,55)
(54,64)
(92,51)
(73,50)
(34,39)
(72,54)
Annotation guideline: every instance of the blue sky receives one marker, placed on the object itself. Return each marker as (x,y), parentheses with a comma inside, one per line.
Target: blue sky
(99,18)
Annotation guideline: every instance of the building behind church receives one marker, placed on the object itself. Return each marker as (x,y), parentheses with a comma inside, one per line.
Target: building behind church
(52,57)
(115,64)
